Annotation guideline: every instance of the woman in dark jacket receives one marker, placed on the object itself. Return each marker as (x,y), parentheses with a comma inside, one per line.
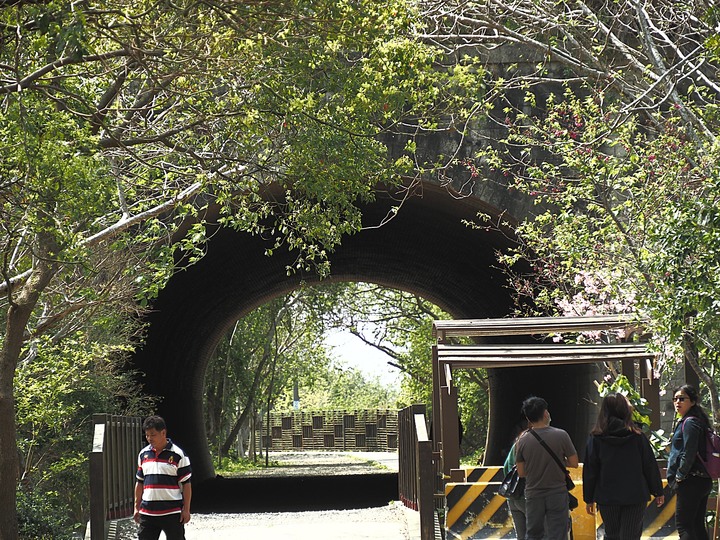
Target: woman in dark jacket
(619,471)
(685,473)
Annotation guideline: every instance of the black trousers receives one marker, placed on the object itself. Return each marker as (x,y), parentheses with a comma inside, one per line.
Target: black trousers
(150,527)
(622,522)
(691,507)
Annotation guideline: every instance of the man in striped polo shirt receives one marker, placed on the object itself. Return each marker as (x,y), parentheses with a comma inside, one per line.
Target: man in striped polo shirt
(163,490)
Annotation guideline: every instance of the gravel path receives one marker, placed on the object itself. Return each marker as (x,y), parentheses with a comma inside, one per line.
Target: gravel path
(391,522)
(385,523)
(298,463)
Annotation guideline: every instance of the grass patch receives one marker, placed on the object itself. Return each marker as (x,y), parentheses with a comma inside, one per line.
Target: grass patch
(232,465)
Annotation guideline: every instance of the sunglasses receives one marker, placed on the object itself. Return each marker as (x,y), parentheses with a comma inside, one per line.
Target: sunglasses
(679,398)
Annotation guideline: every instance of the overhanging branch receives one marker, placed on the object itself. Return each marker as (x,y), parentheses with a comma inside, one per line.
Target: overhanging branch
(120,226)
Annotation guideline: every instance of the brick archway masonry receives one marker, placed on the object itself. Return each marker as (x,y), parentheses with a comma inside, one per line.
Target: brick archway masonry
(425,249)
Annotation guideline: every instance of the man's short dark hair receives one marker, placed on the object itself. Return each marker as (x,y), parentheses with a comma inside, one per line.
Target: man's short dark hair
(154,422)
(534,408)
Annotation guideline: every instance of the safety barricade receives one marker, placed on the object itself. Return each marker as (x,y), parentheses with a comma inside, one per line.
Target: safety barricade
(474,510)
(657,522)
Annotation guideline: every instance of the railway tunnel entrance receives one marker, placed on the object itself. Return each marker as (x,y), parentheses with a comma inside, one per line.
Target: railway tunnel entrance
(425,249)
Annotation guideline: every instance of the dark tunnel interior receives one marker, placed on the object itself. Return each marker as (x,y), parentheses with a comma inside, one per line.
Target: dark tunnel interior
(426,249)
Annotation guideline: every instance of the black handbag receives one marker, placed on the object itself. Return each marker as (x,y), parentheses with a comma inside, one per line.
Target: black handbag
(573,502)
(512,486)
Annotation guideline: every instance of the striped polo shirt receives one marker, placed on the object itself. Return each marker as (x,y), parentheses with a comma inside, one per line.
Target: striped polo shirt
(162,475)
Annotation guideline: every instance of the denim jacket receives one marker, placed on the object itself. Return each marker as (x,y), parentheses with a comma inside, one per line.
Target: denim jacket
(687,440)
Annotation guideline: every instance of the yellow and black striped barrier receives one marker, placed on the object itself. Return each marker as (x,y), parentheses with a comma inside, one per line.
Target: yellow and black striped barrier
(474,510)
(657,522)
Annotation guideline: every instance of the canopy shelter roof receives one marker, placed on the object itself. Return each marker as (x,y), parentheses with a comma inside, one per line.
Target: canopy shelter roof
(445,329)
(494,356)
(540,354)
(449,356)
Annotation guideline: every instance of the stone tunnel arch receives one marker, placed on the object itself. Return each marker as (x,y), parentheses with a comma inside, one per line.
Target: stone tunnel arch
(426,249)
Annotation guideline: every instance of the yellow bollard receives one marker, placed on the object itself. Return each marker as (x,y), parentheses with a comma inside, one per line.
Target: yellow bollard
(473,510)
(583,524)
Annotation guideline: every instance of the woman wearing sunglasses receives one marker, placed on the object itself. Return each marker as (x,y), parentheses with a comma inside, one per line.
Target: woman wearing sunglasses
(685,473)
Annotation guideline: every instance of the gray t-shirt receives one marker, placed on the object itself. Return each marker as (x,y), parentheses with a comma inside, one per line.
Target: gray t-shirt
(543,476)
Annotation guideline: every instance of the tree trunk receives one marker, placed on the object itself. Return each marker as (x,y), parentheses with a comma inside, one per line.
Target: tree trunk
(693,358)
(21,307)
(253,429)
(239,422)
(9,462)
(215,388)
(243,434)
(257,377)
(249,407)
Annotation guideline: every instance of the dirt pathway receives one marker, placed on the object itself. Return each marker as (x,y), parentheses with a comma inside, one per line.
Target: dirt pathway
(386,523)
(391,522)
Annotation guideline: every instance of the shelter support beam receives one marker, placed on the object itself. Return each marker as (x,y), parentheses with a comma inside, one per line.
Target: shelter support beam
(449,428)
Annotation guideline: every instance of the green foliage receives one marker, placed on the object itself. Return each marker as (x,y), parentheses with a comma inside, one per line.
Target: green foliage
(124,122)
(110,117)
(266,351)
(342,387)
(400,324)
(625,220)
(474,458)
(620,160)
(43,515)
(474,410)
(233,465)
(395,322)
(685,262)
(59,390)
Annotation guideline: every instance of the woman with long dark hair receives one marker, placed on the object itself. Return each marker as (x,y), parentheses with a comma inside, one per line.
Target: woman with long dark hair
(685,473)
(619,471)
